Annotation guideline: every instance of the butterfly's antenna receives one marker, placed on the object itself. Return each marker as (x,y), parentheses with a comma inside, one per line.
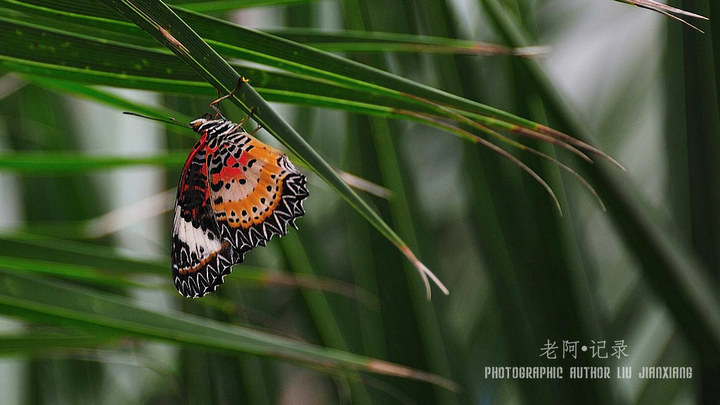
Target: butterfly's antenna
(167,121)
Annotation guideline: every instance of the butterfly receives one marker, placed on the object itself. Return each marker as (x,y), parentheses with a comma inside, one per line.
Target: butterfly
(235,193)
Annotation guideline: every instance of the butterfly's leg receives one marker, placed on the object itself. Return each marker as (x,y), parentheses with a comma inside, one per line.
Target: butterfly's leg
(259,127)
(242,121)
(214,107)
(241,81)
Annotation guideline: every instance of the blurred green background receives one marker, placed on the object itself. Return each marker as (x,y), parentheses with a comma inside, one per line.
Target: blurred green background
(89,311)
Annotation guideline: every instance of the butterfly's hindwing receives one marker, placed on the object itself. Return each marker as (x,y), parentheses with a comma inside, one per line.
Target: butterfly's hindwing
(200,264)
(200,259)
(255,190)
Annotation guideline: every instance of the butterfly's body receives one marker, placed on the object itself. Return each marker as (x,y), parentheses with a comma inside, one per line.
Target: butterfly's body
(235,193)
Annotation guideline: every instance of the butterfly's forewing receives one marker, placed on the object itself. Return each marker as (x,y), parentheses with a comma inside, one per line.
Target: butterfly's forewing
(255,191)
(200,258)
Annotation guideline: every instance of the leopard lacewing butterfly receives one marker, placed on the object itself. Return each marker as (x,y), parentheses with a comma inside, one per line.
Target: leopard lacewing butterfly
(235,193)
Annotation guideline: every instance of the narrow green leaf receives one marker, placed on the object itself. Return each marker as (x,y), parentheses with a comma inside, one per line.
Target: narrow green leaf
(665,10)
(26,245)
(54,303)
(45,341)
(227,5)
(61,163)
(67,271)
(366,41)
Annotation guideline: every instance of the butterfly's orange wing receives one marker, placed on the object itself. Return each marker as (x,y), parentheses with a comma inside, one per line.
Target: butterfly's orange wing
(255,191)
